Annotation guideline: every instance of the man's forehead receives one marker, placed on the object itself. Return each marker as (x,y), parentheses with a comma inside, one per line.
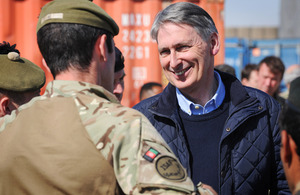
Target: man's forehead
(161,40)
(267,69)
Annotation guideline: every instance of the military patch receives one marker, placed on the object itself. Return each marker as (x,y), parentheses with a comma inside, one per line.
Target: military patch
(151,154)
(169,168)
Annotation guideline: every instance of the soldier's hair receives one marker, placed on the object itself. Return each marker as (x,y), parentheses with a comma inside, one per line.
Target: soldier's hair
(5,48)
(148,86)
(226,68)
(185,13)
(289,120)
(16,97)
(274,63)
(66,45)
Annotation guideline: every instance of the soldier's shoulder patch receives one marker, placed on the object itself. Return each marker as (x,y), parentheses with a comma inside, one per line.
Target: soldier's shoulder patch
(151,154)
(169,168)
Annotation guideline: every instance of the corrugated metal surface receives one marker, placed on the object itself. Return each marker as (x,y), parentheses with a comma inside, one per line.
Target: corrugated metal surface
(216,9)
(134,19)
(237,54)
(287,49)
(18,21)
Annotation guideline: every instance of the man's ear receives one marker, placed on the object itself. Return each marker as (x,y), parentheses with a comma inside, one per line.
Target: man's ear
(286,155)
(215,43)
(4,106)
(293,147)
(244,81)
(45,65)
(101,47)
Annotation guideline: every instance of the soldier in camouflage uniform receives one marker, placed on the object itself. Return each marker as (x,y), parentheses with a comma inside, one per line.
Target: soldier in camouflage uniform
(77,138)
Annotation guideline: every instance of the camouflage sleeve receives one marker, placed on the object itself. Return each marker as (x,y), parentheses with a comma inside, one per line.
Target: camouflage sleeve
(158,171)
(148,166)
(141,159)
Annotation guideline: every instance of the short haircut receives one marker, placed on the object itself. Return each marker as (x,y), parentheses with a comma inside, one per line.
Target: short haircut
(66,45)
(148,86)
(247,70)
(15,96)
(290,121)
(119,63)
(185,13)
(274,63)
(226,68)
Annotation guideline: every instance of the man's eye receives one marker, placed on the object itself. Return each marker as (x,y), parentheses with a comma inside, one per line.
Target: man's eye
(164,52)
(182,48)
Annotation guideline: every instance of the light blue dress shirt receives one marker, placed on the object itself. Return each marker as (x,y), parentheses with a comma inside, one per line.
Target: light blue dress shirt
(196,109)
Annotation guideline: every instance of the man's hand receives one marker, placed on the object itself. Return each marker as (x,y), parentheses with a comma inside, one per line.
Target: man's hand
(204,189)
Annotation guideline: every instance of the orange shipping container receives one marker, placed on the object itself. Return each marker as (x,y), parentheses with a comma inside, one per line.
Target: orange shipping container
(134,19)
(18,21)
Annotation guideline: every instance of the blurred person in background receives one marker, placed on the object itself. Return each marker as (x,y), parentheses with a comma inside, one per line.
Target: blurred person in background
(225,135)
(270,73)
(289,75)
(20,79)
(249,75)
(226,68)
(150,89)
(119,75)
(290,137)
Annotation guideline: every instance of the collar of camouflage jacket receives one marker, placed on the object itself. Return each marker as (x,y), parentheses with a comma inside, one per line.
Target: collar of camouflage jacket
(63,87)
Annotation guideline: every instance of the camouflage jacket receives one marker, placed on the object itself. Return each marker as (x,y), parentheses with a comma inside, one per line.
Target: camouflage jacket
(77,139)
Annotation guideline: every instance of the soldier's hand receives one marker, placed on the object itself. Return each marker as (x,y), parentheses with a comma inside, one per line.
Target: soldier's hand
(206,189)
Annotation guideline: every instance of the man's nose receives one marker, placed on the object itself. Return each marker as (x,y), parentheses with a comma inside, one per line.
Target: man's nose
(118,88)
(174,60)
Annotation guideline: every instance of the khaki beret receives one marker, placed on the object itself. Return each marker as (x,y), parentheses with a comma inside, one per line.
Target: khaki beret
(76,12)
(19,74)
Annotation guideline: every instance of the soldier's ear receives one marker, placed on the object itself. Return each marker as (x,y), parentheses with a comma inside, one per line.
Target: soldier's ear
(101,47)
(45,65)
(4,102)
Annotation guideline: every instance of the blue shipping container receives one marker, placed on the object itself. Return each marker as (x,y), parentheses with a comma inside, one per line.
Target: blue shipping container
(237,54)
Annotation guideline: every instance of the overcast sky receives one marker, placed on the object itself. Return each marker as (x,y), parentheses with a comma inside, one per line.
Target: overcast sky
(249,13)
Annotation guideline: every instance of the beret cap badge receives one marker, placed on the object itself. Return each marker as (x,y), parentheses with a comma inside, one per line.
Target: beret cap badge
(13,56)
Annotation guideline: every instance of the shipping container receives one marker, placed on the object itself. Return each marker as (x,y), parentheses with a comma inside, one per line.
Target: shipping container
(237,54)
(287,49)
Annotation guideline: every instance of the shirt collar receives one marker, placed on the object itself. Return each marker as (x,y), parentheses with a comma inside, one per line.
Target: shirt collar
(196,109)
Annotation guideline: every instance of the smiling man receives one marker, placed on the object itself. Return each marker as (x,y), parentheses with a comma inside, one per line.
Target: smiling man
(224,134)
